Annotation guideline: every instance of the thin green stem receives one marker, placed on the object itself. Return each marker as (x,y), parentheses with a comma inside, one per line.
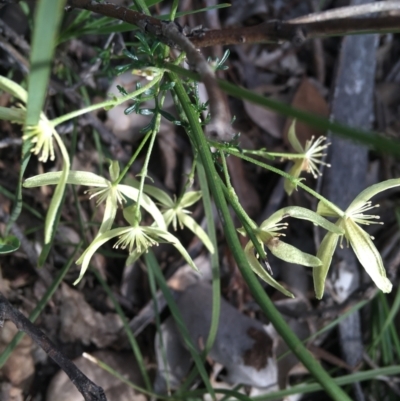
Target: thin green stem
(108,104)
(128,331)
(132,159)
(143,173)
(296,181)
(189,180)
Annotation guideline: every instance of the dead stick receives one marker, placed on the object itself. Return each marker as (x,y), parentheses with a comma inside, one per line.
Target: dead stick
(89,390)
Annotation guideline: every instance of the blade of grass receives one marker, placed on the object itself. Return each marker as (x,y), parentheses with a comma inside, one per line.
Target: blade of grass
(132,340)
(152,263)
(368,138)
(47,20)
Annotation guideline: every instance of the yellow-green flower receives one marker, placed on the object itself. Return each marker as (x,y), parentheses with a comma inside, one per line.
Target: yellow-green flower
(268,234)
(106,190)
(41,136)
(175,211)
(137,239)
(308,158)
(360,241)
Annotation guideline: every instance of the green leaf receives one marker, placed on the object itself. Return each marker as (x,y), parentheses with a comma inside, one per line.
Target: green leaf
(9,244)
(367,254)
(325,254)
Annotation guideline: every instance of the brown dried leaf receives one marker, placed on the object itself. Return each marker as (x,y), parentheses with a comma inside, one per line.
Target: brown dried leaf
(62,389)
(80,322)
(19,368)
(307,98)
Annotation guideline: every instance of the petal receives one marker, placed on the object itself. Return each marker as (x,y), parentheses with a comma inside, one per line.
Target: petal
(74,177)
(133,257)
(151,231)
(331,210)
(369,192)
(261,272)
(109,213)
(168,216)
(303,214)
(13,88)
(294,171)
(191,224)
(160,195)
(190,198)
(325,254)
(17,116)
(94,246)
(290,254)
(114,170)
(145,202)
(58,192)
(367,254)
(292,138)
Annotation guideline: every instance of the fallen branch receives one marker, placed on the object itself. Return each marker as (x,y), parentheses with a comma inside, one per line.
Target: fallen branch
(89,390)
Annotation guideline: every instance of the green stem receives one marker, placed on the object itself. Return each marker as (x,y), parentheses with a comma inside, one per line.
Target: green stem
(107,104)
(295,181)
(258,292)
(132,159)
(143,173)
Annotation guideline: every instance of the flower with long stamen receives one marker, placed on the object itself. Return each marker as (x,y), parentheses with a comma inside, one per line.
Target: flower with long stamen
(360,241)
(106,191)
(137,239)
(268,234)
(41,136)
(175,211)
(308,158)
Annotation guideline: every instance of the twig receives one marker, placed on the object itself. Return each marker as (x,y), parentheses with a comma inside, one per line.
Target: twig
(219,126)
(89,390)
(270,31)
(349,11)
(169,33)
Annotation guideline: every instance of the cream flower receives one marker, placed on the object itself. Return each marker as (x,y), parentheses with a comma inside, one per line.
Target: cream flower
(360,241)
